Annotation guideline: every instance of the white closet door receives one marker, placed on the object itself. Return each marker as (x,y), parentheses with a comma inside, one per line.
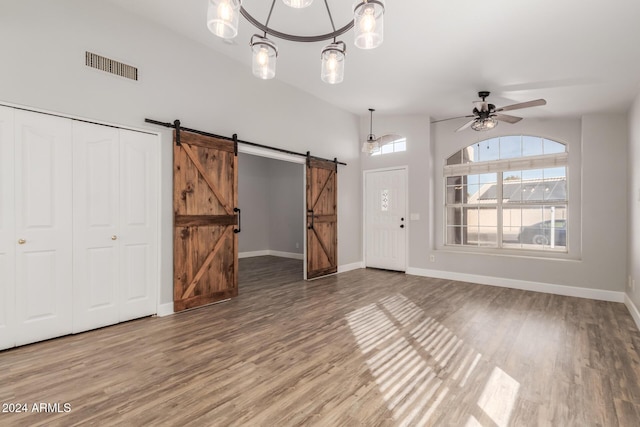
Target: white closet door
(138,237)
(7,232)
(95,226)
(43,226)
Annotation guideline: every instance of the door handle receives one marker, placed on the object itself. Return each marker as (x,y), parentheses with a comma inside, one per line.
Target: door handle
(239,212)
(310,211)
(21,241)
(114,237)
(401,225)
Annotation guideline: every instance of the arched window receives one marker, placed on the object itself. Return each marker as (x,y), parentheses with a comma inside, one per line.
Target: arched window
(508,192)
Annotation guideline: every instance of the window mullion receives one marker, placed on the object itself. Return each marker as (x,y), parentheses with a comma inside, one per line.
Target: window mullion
(499,200)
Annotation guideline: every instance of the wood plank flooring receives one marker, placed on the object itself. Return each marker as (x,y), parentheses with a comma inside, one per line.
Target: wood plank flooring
(366,347)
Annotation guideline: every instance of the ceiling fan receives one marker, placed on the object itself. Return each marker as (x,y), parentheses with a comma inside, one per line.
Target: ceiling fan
(373,144)
(486,115)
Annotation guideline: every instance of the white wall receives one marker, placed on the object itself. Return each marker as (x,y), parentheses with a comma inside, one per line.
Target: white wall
(43,45)
(633,267)
(286,207)
(271,196)
(597,186)
(253,200)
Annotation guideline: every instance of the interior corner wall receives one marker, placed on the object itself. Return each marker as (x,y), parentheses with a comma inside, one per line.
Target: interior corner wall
(44,44)
(633,236)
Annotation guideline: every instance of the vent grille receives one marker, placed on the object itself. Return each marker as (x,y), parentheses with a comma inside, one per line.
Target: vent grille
(110,66)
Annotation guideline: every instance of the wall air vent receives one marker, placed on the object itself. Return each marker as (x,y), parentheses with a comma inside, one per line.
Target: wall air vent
(110,66)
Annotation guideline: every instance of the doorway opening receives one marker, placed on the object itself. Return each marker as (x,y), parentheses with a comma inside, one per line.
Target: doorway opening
(271,196)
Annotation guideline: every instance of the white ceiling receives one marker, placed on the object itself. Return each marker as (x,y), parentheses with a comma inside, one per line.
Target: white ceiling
(582,56)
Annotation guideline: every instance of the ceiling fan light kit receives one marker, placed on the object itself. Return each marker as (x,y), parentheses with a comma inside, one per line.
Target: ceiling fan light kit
(486,116)
(368,21)
(484,124)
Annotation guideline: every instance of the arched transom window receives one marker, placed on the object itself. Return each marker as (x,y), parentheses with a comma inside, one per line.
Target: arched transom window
(508,192)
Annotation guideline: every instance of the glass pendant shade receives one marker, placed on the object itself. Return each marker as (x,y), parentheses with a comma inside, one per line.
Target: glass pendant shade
(333,63)
(371,145)
(265,53)
(298,4)
(223,16)
(484,124)
(368,18)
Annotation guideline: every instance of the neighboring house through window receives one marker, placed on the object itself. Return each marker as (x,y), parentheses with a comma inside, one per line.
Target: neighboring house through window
(508,192)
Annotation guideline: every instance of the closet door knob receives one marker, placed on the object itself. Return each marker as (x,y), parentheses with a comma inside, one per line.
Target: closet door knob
(114,237)
(21,241)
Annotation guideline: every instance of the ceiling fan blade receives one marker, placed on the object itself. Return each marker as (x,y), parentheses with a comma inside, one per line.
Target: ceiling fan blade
(481,105)
(452,118)
(534,103)
(466,125)
(507,118)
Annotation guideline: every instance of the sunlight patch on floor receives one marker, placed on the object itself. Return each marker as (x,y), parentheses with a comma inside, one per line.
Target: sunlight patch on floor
(415,360)
(498,397)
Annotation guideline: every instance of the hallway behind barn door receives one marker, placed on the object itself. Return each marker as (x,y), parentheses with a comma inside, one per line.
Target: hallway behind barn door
(322,218)
(204,199)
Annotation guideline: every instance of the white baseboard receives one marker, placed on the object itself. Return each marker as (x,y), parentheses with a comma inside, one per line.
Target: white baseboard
(349,267)
(252,254)
(165,309)
(632,309)
(571,291)
(266,252)
(291,255)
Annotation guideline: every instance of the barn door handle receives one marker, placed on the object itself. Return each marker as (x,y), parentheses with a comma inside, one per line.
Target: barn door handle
(310,227)
(239,229)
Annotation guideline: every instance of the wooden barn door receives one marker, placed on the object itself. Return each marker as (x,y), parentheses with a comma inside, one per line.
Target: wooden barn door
(322,218)
(204,199)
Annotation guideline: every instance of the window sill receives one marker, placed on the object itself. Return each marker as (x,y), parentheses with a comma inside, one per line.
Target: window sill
(510,253)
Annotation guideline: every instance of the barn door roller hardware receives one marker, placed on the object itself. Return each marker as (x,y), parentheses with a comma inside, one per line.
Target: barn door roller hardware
(176,125)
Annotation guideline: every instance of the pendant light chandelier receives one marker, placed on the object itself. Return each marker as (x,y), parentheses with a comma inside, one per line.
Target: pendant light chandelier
(368,24)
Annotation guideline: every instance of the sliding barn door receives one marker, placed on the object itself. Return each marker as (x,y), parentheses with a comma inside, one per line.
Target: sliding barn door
(205,243)
(322,218)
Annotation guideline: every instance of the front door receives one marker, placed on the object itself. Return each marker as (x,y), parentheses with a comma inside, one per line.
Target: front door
(386,219)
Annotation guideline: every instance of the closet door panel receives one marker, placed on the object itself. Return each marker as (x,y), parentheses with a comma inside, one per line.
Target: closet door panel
(138,224)
(7,231)
(43,226)
(95,226)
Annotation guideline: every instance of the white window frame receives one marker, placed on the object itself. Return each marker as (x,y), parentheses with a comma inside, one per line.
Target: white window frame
(499,167)
(378,152)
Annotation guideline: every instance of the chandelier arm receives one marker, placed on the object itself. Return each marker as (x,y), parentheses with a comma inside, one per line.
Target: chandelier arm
(326,3)
(270,12)
(292,37)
